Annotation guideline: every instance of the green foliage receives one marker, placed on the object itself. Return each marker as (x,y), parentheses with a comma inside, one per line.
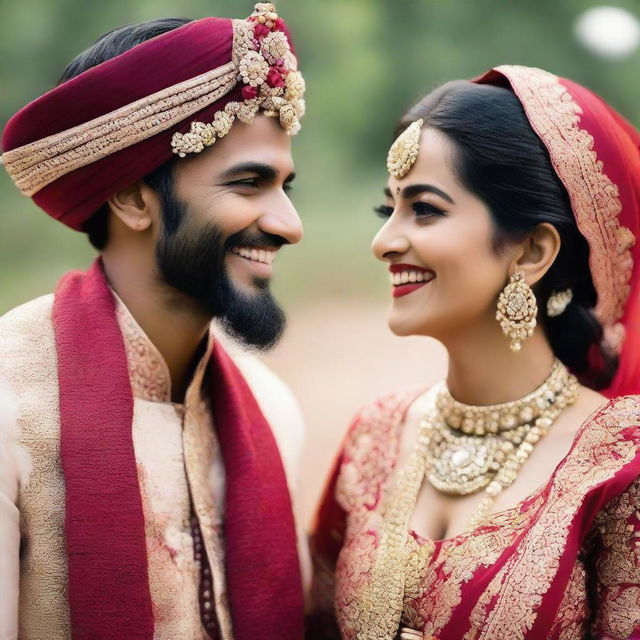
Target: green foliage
(364,61)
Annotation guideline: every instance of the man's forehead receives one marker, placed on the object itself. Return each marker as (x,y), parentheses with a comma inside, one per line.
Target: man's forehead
(263,141)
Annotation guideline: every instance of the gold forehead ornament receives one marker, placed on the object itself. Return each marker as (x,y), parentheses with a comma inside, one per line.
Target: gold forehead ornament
(404,151)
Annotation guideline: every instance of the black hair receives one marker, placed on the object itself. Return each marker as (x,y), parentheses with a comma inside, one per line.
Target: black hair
(500,159)
(109,46)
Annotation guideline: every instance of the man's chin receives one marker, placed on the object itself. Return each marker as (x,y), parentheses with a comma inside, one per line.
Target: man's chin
(252,316)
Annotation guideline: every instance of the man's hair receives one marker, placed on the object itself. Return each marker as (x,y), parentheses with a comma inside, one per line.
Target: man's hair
(109,46)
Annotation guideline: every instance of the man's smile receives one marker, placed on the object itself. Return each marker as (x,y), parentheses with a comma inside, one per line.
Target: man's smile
(265,256)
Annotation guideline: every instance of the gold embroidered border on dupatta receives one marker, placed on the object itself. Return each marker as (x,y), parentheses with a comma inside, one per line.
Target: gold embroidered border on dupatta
(619,565)
(437,590)
(508,607)
(555,117)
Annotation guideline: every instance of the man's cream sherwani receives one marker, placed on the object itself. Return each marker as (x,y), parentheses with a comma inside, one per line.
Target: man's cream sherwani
(178,461)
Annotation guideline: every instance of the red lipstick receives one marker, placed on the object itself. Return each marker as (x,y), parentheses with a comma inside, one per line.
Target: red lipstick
(424,276)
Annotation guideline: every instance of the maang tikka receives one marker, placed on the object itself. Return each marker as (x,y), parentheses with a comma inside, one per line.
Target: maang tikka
(404,151)
(517,310)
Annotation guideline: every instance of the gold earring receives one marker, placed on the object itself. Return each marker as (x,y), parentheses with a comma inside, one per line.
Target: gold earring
(517,310)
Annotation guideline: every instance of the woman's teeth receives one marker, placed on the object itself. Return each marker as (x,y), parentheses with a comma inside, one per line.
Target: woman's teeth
(265,256)
(405,277)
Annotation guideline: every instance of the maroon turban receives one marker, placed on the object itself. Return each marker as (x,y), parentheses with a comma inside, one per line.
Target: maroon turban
(75,146)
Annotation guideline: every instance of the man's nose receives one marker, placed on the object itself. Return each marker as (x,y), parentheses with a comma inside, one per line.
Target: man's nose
(282,220)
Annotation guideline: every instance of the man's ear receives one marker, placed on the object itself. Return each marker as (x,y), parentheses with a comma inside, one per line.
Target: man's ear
(136,206)
(538,252)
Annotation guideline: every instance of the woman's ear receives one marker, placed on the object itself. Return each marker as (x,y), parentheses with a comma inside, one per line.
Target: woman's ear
(537,252)
(136,206)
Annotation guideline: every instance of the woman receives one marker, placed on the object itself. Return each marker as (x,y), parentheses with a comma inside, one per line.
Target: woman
(503,503)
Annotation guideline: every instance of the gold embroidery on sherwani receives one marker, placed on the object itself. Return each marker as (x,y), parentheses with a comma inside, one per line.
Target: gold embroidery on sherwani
(619,565)
(148,372)
(28,331)
(163,448)
(555,117)
(207,485)
(157,431)
(517,590)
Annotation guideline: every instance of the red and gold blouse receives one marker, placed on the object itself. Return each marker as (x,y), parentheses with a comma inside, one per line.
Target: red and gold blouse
(562,563)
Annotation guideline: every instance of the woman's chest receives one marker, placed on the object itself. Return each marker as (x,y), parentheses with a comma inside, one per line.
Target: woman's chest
(498,577)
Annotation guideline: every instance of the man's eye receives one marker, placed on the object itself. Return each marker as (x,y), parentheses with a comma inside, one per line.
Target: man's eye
(287,187)
(247,182)
(383,211)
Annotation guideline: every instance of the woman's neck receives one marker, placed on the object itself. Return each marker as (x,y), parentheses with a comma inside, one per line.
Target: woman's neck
(483,370)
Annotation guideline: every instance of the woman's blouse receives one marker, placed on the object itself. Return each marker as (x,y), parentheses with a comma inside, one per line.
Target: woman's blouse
(562,563)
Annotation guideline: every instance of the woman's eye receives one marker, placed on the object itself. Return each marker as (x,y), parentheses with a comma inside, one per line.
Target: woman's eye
(383,211)
(426,209)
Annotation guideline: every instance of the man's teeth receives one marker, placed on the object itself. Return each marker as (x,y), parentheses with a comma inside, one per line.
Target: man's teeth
(265,256)
(405,277)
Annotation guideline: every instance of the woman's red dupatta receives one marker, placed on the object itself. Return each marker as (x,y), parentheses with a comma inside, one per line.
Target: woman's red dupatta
(108,584)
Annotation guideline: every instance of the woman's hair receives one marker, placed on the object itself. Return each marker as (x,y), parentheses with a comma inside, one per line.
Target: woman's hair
(108,46)
(500,159)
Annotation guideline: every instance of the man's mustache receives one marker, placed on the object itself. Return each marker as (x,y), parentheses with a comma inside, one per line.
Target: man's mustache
(244,239)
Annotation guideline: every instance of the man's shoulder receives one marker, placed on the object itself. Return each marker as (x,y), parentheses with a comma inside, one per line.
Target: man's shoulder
(24,331)
(28,316)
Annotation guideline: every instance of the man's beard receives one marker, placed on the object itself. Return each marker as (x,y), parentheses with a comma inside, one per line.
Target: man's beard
(191,259)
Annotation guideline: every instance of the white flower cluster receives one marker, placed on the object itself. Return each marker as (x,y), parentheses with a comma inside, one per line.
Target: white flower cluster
(268,70)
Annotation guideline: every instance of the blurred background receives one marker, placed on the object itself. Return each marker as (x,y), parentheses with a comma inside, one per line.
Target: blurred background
(364,62)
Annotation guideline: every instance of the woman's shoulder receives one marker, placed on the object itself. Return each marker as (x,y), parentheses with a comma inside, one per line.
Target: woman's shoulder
(370,448)
(616,419)
(385,413)
(605,456)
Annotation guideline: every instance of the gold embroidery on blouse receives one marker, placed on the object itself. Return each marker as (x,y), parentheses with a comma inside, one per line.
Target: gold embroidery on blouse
(432,591)
(365,478)
(555,117)
(432,587)
(382,599)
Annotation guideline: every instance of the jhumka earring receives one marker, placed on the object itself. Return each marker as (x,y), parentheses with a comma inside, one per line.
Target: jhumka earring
(517,310)
(558,301)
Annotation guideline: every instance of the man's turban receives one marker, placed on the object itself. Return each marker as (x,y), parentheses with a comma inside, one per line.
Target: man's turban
(75,146)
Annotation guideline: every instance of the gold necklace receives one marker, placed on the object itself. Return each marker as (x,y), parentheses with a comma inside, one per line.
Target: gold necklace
(381,601)
(480,455)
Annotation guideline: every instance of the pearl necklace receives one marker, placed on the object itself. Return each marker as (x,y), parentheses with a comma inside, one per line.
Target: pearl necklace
(490,443)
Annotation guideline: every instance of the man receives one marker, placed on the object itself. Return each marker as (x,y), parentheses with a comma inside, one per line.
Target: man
(142,491)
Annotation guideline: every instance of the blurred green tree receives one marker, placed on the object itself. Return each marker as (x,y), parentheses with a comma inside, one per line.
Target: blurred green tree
(364,61)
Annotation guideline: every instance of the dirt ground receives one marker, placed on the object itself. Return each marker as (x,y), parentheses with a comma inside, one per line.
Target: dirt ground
(336,357)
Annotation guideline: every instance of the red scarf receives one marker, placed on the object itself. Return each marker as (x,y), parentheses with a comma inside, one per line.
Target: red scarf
(108,588)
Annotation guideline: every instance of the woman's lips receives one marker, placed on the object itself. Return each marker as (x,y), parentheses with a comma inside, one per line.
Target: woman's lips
(407,278)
